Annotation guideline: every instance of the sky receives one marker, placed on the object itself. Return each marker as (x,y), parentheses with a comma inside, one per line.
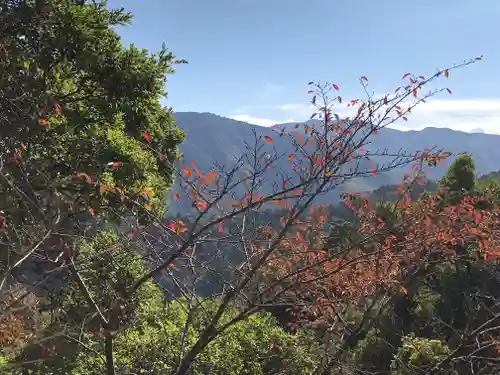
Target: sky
(251,60)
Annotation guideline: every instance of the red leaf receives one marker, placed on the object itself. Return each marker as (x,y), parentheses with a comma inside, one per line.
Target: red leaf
(146,136)
(86,177)
(449,91)
(478,58)
(296,126)
(290,157)
(130,234)
(268,139)
(91,211)
(187,171)
(415,93)
(221,226)
(478,217)
(178,227)
(385,100)
(364,78)
(405,118)
(422,78)
(339,99)
(374,171)
(43,123)
(115,164)
(406,75)
(446,73)
(336,87)
(177,197)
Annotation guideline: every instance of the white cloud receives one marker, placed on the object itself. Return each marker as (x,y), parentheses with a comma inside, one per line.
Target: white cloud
(469,115)
(258,120)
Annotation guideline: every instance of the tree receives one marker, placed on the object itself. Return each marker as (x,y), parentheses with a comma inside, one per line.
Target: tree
(79,104)
(270,268)
(459,178)
(91,146)
(86,146)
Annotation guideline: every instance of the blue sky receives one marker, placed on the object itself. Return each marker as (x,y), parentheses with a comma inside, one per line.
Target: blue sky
(252,59)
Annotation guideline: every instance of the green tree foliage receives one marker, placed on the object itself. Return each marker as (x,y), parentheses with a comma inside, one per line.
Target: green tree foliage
(418,355)
(459,178)
(85,143)
(152,342)
(73,100)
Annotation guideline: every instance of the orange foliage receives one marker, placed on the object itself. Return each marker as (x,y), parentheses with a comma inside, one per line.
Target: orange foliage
(307,272)
(19,318)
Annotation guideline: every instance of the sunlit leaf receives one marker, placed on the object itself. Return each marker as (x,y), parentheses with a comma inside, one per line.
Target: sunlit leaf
(148,192)
(146,136)
(178,226)
(130,234)
(268,139)
(114,164)
(187,172)
(86,177)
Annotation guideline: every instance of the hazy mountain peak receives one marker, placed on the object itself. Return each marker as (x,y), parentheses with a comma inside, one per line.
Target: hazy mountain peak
(211,138)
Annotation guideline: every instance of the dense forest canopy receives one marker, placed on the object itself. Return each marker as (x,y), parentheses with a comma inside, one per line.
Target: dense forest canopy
(97,278)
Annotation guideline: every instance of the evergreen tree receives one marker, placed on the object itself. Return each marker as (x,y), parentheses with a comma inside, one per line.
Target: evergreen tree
(459,179)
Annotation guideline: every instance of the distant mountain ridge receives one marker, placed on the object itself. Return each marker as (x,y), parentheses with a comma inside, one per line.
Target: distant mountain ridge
(215,139)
